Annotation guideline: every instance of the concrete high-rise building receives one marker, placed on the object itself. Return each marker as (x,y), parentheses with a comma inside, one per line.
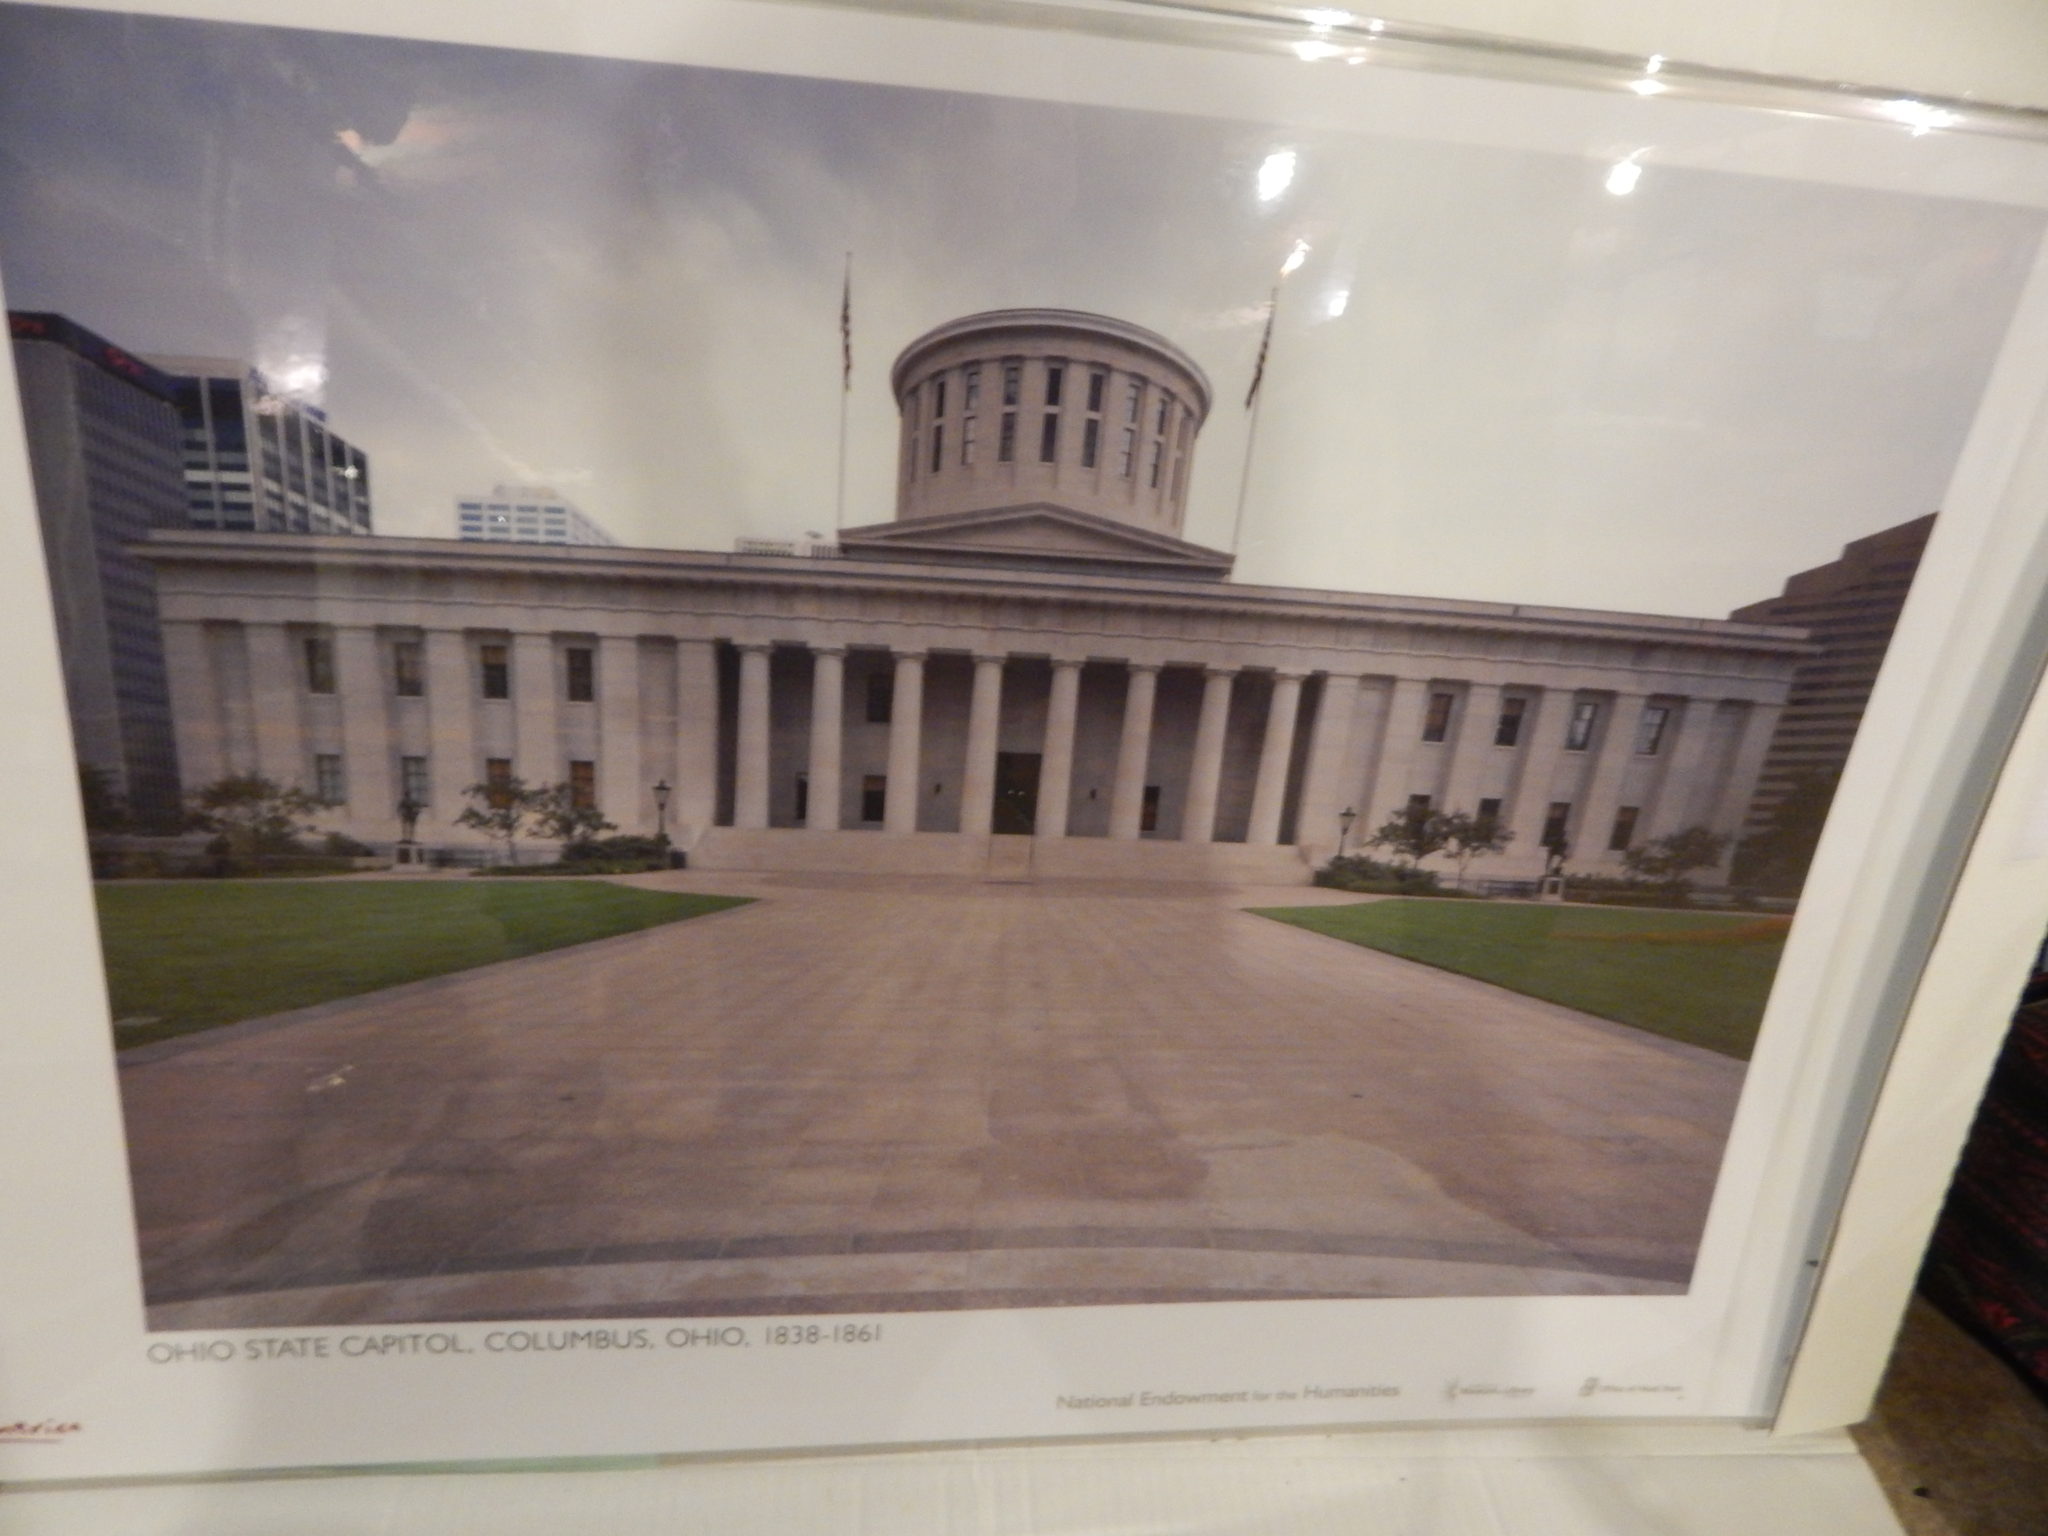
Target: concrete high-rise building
(1026,671)
(1849,607)
(257,460)
(103,445)
(526,514)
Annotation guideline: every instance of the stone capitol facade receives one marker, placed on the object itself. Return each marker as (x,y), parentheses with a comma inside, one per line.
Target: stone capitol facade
(1027,673)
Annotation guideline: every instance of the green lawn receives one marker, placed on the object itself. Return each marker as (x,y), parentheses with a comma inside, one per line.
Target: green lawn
(1699,977)
(191,954)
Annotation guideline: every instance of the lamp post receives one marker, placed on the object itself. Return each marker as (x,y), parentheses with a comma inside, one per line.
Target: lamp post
(661,793)
(1345,818)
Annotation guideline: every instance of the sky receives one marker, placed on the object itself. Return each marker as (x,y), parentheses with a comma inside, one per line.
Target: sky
(1490,377)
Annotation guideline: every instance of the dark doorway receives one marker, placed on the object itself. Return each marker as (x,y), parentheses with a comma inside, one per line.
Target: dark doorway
(1016,807)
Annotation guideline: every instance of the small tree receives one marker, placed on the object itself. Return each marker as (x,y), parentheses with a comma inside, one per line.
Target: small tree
(254,817)
(501,808)
(557,814)
(1669,859)
(1412,834)
(1467,837)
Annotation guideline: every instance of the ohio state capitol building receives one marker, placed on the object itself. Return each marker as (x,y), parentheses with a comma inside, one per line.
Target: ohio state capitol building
(1027,673)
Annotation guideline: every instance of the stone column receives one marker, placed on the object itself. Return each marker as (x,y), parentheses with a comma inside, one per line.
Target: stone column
(693,804)
(622,785)
(1205,774)
(1678,787)
(195,704)
(1329,754)
(452,764)
(1134,749)
(536,755)
(984,716)
(277,678)
(366,755)
(1056,768)
(1473,747)
(750,774)
(1542,746)
(1400,732)
(828,726)
(1269,790)
(906,743)
(1603,791)
(1745,766)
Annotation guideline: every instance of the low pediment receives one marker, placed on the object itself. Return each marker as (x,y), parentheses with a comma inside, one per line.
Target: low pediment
(1039,535)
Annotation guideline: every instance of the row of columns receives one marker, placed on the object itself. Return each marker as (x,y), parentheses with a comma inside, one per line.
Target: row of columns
(1056,770)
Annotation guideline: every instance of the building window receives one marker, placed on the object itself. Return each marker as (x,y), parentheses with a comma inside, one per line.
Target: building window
(408,669)
(1508,729)
(1437,724)
(1006,438)
(1133,400)
(967,423)
(1013,383)
(1158,461)
(497,780)
(938,397)
(1091,442)
(881,697)
(803,797)
(1650,734)
(970,387)
(1127,459)
(938,448)
(874,796)
(1148,812)
(328,785)
(1418,807)
(1556,823)
(582,784)
(1489,812)
(1579,734)
(1098,386)
(412,780)
(582,674)
(1624,828)
(319,664)
(1055,376)
(496,667)
(1049,437)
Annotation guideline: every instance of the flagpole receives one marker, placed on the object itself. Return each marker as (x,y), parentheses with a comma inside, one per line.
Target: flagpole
(1254,398)
(845,389)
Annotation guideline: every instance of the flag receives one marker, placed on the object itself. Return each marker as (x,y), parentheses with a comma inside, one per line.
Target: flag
(1265,345)
(846,328)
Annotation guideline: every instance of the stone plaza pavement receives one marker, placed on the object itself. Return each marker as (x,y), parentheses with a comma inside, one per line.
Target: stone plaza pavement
(868,1094)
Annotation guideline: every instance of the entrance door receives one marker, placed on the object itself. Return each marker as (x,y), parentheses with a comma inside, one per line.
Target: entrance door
(1016,807)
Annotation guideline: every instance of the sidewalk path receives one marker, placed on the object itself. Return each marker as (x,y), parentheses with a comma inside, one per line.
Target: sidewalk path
(868,1094)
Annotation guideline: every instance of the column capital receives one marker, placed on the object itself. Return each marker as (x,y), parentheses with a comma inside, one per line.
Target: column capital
(1143,666)
(831,648)
(1068,663)
(996,656)
(1290,674)
(913,654)
(1221,668)
(762,646)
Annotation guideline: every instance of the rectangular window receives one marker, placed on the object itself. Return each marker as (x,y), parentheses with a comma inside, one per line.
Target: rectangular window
(970,388)
(583,784)
(1624,828)
(1128,457)
(967,439)
(1055,376)
(1148,813)
(1489,812)
(938,397)
(1091,442)
(938,448)
(495,665)
(1049,438)
(1650,734)
(1013,382)
(874,796)
(881,697)
(803,797)
(408,669)
(1579,734)
(497,779)
(328,786)
(1417,808)
(319,664)
(1158,461)
(1133,400)
(1098,386)
(1006,438)
(412,780)
(1165,410)
(581,667)
(1556,823)
(1508,729)
(1437,723)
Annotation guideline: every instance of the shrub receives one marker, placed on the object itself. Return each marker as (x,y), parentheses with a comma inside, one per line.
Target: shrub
(1356,872)
(570,867)
(340,845)
(650,851)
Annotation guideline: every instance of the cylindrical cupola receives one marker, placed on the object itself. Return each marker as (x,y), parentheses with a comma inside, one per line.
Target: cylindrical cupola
(1018,406)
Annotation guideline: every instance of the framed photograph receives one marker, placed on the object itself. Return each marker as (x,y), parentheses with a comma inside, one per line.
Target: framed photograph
(763,727)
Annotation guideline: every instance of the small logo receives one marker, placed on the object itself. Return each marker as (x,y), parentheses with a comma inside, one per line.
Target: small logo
(38,1431)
